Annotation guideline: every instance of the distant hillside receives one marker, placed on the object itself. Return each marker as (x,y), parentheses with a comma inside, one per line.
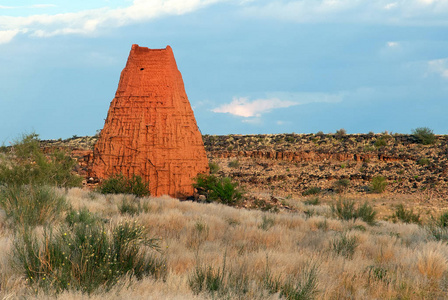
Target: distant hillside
(294,163)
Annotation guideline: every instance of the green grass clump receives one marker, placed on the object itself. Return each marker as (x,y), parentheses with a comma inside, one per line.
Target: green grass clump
(423,161)
(341,185)
(26,163)
(222,282)
(438,228)
(214,167)
(120,184)
(312,191)
(234,163)
(132,207)
(301,286)
(404,215)
(31,205)
(222,190)
(312,201)
(85,257)
(266,223)
(378,184)
(346,210)
(381,142)
(345,245)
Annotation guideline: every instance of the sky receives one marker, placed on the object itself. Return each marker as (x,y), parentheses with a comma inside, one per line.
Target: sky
(249,66)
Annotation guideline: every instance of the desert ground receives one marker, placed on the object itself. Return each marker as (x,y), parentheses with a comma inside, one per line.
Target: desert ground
(310,225)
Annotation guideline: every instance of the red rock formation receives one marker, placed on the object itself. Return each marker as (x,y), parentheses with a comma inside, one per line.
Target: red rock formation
(150,128)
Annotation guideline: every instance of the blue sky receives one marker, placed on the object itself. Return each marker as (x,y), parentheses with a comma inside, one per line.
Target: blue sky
(248,66)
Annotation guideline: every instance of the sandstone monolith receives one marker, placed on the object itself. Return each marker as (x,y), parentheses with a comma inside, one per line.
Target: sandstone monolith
(150,129)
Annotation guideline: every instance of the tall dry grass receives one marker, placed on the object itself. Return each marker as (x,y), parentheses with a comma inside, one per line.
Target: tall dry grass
(386,261)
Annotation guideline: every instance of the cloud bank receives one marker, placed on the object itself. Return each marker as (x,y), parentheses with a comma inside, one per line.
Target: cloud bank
(401,12)
(90,21)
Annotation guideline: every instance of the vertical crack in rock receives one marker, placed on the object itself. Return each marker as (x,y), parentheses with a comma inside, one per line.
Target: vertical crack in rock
(150,129)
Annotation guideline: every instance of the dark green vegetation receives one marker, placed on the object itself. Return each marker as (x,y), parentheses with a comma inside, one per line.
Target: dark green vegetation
(405,215)
(236,283)
(345,245)
(378,184)
(120,184)
(81,255)
(346,210)
(312,191)
(424,135)
(214,188)
(31,205)
(341,185)
(26,163)
(78,253)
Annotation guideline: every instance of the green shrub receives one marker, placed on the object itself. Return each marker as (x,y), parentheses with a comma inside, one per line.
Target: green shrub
(84,257)
(132,207)
(312,191)
(378,184)
(31,205)
(346,210)
(345,245)
(424,135)
(341,185)
(305,287)
(442,221)
(214,167)
(312,201)
(223,282)
(300,286)
(120,184)
(266,223)
(377,273)
(366,213)
(438,228)
(381,142)
(341,133)
(404,215)
(423,161)
(82,216)
(223,190)
(234,163)
(27,164)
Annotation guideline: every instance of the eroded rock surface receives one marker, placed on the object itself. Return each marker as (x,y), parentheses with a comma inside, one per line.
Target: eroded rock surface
(150,128)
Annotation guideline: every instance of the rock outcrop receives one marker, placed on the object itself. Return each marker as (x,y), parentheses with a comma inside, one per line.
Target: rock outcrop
(150,128)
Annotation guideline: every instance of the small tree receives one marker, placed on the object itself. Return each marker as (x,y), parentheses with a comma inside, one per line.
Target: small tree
(378,184)
(341,133)
(424,135)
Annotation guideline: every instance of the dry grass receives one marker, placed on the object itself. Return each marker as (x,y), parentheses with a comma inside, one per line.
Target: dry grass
(389,261)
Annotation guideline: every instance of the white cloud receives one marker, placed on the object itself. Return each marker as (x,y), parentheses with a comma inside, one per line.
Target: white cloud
(393,44)
(244,108)
(43,5)
(391,5)
(90,21)
(414,12)
(7,35)
(403,12)
(28,6)
(439,66)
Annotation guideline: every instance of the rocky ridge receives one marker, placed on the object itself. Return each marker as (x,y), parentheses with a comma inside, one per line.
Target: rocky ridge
(288,165)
